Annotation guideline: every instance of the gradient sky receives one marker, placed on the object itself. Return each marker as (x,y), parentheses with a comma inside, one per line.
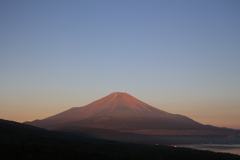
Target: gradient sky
(180,56)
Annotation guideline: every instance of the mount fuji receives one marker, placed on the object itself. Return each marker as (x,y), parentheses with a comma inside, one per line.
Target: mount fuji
(120,111)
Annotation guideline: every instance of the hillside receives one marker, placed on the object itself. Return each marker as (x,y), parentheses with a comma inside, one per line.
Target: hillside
(22,141)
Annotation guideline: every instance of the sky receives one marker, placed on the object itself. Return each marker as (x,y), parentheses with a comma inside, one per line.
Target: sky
(182,57)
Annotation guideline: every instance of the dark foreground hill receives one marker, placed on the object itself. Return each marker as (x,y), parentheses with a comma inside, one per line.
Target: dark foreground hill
(21,141)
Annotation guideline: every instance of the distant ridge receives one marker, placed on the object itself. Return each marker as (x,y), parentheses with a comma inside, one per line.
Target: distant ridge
(123,112)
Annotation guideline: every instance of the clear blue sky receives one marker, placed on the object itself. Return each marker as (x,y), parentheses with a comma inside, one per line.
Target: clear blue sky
(179,56)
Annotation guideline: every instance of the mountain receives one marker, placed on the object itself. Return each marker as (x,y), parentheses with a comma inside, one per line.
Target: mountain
(120,111)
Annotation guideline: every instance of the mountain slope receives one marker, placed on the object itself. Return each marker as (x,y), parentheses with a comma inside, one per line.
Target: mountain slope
(119,111)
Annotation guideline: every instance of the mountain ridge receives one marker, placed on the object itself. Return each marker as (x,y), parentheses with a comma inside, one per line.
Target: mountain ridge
(120,111)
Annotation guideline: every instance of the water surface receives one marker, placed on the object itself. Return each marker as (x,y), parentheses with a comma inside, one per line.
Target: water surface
(227,148)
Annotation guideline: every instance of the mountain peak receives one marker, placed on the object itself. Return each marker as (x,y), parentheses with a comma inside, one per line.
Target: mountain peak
(123,99)
(119,94)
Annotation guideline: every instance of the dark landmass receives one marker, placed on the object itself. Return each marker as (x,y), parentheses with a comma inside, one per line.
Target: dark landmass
(150,139)
(21,141)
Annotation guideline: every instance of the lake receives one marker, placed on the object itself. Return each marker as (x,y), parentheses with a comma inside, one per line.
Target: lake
(228,148)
